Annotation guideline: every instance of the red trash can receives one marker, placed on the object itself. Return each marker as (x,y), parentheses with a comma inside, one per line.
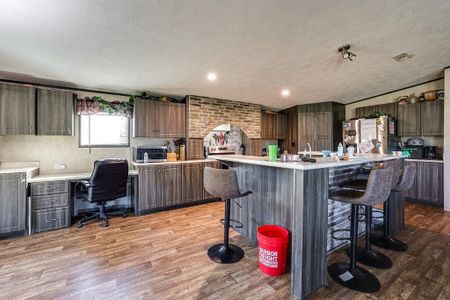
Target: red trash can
(273,242)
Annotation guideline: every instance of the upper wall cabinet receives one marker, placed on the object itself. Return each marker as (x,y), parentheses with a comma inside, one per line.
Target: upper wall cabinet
(55,112)
(273,126)
(17,110)
(159,119)
(388,108)
(421,119)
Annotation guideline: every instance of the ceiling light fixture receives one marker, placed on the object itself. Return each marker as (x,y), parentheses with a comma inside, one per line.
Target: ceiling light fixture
(212,76)
(346,54)
(285,93)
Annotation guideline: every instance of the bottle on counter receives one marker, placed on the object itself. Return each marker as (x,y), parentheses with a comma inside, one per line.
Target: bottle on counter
(145,157)
(340,150)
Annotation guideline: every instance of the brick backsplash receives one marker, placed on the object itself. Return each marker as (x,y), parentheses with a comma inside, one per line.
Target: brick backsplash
(207,113)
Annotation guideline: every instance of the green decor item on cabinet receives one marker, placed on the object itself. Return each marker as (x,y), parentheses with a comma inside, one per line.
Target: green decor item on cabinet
(273,152)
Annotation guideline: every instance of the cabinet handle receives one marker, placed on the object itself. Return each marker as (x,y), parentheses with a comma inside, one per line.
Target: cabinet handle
(52,220)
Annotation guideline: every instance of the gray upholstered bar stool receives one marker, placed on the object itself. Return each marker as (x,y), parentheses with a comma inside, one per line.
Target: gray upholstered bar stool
(222,183)
(386,240)
(367,255)
(376,192)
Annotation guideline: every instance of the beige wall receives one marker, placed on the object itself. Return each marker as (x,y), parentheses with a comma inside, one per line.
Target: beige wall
(52,150)
(447,141)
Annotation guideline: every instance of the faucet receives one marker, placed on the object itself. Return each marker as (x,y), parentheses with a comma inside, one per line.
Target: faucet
(308,145)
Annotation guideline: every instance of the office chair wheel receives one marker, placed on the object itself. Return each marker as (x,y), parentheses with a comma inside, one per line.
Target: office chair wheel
(105,224)
(80,225)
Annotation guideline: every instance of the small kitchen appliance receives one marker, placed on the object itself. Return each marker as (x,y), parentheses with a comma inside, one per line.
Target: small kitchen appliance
(219,150)
(152,154)
(431,152)
(414,148)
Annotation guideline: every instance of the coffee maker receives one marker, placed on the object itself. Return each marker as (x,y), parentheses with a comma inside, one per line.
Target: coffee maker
(431,152)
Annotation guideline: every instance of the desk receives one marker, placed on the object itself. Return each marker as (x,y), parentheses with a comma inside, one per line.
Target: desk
(52,199)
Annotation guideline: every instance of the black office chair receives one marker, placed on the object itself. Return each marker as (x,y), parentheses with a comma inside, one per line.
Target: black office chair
(107,183)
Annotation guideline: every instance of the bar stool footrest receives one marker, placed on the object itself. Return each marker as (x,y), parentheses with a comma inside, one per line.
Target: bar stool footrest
(233,223)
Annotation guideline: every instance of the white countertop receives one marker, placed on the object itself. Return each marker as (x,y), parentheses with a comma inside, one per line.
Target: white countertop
(426,160)
(172,162)
(321,162)
(68,176)
(30,168)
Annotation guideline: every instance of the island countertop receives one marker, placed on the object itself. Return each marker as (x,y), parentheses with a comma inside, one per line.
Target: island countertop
(321,163)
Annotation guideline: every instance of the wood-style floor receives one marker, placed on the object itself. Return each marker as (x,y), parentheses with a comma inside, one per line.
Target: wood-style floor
(163,256)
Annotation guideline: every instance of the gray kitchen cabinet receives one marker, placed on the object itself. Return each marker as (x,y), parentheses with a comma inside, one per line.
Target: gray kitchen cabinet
(432,118)
(159,187)
(428,184)
(159,119)
(55,112)
(320,125)
(17,110)
(409,119)
(50,206)
(192,182)
(12,202)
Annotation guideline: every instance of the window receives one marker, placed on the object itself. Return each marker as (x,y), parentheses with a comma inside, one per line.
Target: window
(104,131)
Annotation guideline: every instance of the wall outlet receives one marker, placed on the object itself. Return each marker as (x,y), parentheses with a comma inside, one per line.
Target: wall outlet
(60,167)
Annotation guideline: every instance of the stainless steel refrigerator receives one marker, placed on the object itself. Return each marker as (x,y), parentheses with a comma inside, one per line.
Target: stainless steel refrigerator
(377,135)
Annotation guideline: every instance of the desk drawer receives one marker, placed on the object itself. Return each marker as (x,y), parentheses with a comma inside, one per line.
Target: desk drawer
(49,219)
(50,201)
(50,187)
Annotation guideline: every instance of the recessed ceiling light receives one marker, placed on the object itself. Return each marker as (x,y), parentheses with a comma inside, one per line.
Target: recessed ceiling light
(212,76)
(285,93)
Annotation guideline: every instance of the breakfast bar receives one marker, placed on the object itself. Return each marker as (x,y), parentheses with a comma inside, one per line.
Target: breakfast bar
(293,195)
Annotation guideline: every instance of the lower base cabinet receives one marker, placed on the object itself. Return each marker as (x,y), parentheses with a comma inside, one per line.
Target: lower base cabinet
(162,186)
(12,203)
(428,184)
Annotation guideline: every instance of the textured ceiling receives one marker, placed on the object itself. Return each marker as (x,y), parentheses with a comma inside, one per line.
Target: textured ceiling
(256,47)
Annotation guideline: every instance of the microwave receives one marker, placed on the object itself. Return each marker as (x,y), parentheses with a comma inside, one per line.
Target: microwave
(154,154)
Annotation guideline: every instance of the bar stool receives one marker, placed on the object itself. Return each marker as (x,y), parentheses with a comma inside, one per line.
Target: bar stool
(377,191)
(367,255)
(386,240)
(222,183)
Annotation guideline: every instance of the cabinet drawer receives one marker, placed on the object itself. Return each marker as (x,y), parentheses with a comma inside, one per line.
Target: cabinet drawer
(49,219)
(51,187)
(50,201)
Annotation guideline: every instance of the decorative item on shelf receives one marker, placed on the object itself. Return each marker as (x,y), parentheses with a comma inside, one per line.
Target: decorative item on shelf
(96,104)
(440,94)
(402,100)
(421,98)
(430,95)
(149,96)
(377,114)
(412,98)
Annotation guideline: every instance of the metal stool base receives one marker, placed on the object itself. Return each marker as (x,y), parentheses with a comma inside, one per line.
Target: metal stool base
(358,279)
(389,243)
(372,258)
(225,255)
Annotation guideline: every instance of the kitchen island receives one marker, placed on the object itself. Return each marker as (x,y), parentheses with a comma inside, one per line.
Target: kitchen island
(294,195)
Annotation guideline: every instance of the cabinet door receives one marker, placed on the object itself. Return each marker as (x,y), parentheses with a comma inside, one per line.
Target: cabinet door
(12,202)
(211,164)
(169,185)
(195,149)
(146,119)
(412,192)
(324,129)
(192,182)
(148,188)
(306,130)
(281,127)
(55,112)
(432,118)
(409,119)
(256,147)
(173,119)
(430,185)
(268,125)
(17,110)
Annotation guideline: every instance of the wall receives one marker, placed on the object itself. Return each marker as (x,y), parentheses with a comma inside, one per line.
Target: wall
(350,109)
(53,150)
(207,113)
(447,141)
